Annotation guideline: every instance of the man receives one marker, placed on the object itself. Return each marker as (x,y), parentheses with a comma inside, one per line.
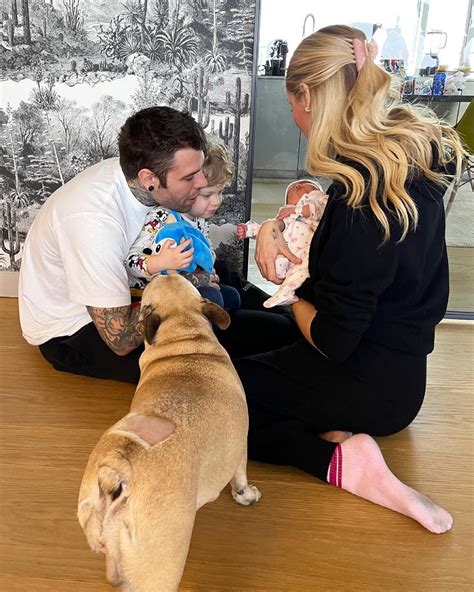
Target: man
(74,297)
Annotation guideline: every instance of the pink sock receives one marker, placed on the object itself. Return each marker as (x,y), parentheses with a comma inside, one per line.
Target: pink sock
(335,468)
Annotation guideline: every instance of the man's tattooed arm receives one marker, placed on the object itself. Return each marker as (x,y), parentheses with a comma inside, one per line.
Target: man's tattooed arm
(198,278)
(119,327)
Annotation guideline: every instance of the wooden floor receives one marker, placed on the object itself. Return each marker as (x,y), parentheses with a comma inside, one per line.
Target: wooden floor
(302,536)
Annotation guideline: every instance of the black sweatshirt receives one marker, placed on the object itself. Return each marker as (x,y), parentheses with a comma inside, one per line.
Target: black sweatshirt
(392,294)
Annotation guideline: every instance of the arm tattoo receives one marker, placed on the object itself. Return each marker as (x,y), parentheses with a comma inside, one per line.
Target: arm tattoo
(198,278)
(274,233)
(119,327)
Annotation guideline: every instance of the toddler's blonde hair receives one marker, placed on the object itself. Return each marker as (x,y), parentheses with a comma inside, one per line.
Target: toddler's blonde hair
(217,168)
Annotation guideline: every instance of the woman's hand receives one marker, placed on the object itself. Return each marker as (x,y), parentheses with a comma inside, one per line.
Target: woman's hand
(171,256)
(270,244)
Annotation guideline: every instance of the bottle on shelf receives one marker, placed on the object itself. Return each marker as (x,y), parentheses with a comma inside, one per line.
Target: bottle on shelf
(439,80)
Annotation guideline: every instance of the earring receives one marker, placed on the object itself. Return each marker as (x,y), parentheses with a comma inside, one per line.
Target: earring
(307,109)
(151,188)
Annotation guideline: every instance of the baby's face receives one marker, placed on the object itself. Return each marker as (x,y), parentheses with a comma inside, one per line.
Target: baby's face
(208,201)
(296,192)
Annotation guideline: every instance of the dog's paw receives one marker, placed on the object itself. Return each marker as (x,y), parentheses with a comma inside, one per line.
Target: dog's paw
(247,495)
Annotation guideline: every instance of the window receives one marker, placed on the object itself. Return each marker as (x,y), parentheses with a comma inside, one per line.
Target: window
(409,29)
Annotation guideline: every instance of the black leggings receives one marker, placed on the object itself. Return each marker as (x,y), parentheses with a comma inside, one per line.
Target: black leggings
(294,394)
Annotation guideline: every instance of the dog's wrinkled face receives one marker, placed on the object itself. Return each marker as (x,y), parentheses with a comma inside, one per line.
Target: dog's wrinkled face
(172,295)
(108,485)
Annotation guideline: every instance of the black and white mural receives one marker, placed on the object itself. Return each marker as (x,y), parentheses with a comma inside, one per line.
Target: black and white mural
(72,71)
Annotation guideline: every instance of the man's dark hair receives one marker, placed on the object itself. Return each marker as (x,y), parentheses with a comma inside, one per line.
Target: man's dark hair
(150,138)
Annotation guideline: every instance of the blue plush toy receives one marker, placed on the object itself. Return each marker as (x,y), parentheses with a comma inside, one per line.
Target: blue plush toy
(180,229)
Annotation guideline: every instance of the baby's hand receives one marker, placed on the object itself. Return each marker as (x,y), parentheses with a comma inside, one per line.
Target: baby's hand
(171,256)
(241,231)
(285,211)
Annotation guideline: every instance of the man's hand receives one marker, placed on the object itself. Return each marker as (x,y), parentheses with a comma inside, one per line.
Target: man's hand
(214,280)
(119,327)
(270,244)
(198,277)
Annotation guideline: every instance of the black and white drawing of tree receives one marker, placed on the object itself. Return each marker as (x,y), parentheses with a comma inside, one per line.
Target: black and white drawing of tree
(79,68)
(107,116)
(25,14)
(70,120)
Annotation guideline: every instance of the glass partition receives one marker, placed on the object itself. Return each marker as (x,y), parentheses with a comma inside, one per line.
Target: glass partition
(424,34)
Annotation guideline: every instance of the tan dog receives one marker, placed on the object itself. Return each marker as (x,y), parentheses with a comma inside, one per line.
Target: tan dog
(184,439)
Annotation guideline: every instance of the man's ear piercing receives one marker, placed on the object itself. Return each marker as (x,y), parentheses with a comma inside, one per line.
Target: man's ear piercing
(151,188)
(307,109)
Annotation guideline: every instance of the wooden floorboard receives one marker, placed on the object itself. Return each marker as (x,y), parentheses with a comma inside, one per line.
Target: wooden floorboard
(303,536)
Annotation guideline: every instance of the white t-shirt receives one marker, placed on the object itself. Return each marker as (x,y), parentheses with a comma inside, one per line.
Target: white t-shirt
(74,253)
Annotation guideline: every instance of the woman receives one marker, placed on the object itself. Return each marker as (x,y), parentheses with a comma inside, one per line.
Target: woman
(378,279)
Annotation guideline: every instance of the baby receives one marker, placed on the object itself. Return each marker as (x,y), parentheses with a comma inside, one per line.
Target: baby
(305,203)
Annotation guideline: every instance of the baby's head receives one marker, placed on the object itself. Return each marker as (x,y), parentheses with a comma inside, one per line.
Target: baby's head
(218,170)
(297,189)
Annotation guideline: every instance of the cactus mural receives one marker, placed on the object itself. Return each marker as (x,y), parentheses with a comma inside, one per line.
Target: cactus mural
(10,242)
(238,108)
(201,90)
(10,235)
(71,96)
(226,131)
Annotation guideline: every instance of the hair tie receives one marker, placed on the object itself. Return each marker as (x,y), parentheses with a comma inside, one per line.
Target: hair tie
(363,50)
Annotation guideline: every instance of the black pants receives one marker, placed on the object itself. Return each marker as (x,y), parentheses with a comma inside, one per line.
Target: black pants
(250,332)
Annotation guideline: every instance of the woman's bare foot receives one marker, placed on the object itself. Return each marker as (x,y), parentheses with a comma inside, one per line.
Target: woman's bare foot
(336,436)
(364,473)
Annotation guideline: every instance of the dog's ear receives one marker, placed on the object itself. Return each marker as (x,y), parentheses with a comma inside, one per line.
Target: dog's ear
(90,514)
(111,483)
(113,487)
(104,486)
(215,314)
(151,321)
(103,512)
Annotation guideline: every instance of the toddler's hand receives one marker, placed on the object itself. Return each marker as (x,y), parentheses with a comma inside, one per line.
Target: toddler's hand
(171,256)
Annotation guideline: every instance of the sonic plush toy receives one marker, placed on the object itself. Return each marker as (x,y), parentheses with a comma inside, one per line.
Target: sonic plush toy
(180,229)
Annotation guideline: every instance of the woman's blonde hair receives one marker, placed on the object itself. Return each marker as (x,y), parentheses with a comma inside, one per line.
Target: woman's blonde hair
(359,117)
(217,168)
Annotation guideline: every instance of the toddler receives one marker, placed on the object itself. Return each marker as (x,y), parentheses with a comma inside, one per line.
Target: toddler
(149,256)
(305,203)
